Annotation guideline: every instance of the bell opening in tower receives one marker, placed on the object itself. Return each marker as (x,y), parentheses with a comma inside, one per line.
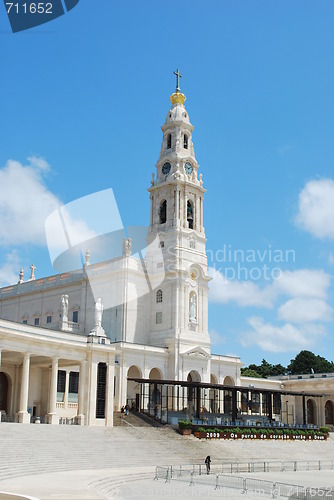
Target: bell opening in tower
(190,215)
(163,212)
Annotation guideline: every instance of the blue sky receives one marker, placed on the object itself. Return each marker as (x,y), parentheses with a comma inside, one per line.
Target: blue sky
(82,101)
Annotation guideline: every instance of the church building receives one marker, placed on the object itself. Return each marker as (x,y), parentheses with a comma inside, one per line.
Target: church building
(133,329)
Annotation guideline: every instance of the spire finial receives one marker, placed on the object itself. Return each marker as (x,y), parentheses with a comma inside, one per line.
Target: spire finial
(32,276)
(177,97)
(178,76)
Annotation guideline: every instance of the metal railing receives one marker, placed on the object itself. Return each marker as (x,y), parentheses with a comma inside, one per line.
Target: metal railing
(263,488)
(248,467)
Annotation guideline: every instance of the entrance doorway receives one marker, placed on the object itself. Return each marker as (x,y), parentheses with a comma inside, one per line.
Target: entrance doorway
(3,392)
(133,388)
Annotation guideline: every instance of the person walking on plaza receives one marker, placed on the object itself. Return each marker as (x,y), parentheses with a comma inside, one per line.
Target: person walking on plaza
(207,463)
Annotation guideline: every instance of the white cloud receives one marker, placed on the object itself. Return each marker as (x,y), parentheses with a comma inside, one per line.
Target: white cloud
(25,202)
(302,314)
(303,310)
(38,162)
(303,283)
(283,338)
(316,208)
(9,271)
(244,293)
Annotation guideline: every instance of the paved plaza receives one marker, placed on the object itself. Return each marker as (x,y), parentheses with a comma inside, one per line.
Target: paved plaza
(71,462)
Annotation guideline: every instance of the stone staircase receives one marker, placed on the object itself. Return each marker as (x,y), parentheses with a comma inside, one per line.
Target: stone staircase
(135,419)
(110,457)
(38,449)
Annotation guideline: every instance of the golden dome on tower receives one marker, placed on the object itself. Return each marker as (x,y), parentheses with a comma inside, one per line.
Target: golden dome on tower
(177,98)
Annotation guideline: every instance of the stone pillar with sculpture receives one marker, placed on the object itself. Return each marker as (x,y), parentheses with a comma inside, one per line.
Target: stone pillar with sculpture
(98,330)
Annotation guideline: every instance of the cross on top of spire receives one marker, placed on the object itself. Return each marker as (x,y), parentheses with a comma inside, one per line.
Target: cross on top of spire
(177,97)
(178,76)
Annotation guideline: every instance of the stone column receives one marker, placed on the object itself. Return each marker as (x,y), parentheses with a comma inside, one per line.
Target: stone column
(109,420)
(151,210)
(124,385)
(24,416)
(117,404)
(81,395)
(249,410)
(321,414)
(177,208)
(52,415)
(185,222)
(201,215)
(197,214)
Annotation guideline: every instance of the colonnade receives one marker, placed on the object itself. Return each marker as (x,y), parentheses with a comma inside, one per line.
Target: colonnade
(87,391)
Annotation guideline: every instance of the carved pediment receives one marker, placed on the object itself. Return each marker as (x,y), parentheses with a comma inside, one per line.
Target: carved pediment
(197,352)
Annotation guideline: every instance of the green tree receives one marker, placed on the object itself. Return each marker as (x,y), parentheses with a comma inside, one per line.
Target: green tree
(278,370)
(308,362)
(265,369)
(247,372)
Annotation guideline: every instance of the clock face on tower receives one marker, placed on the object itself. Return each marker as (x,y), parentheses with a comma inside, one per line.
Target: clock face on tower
(188,168)
(166,168)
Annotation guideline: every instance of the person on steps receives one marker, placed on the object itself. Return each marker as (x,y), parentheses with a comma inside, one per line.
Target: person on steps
(207,463)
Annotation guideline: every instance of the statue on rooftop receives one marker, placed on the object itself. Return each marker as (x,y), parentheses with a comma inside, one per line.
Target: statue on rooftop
(98,313)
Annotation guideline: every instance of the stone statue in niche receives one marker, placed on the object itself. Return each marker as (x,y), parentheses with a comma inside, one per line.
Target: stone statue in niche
(64,307)
(193,308)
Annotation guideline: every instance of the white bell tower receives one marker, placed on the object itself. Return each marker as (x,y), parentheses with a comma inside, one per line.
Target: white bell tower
(179,307)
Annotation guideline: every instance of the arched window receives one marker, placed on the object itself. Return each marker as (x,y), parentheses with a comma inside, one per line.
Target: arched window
(159,296)
(169,141)
(310,412)
(329,412)
(190,214)
(163,212)
(185,141)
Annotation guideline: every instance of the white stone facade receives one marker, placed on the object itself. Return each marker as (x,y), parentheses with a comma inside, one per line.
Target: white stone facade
(154,323)
(48,325)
